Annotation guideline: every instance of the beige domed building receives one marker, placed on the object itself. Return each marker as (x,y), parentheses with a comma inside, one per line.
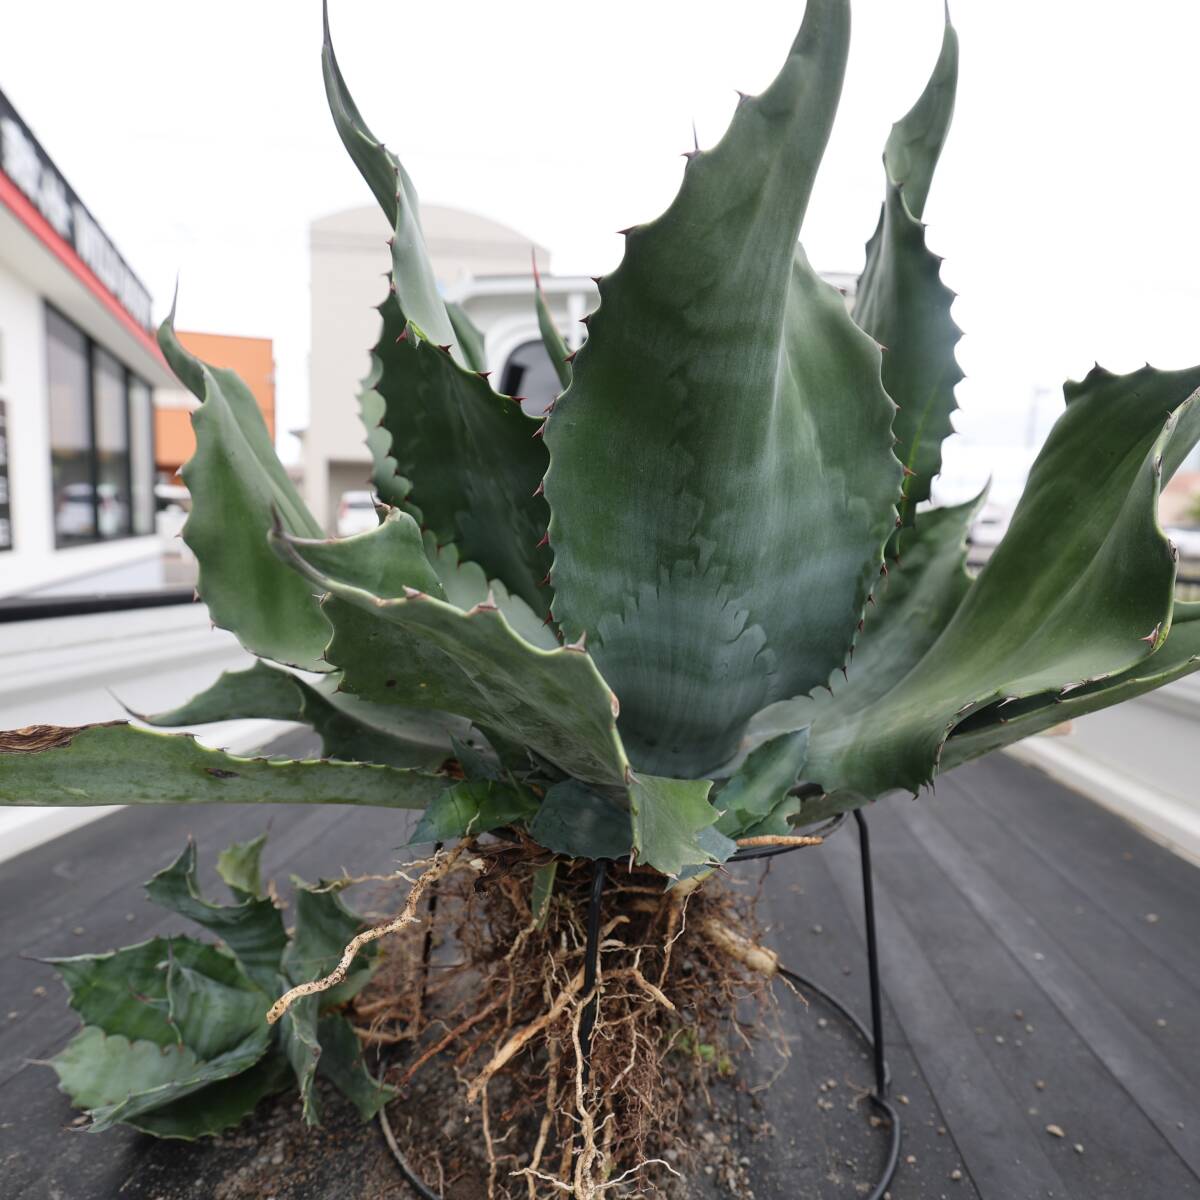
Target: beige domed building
(480,264)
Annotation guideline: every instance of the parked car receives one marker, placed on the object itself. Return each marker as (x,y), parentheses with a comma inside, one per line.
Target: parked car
(356,513)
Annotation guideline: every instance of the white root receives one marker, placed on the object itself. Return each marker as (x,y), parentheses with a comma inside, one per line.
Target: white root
(750,954)
(512,1047)
(782,839)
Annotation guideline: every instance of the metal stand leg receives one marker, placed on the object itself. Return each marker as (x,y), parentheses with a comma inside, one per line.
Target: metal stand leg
(873,1036)
(591,966)
(868,887)
(879,1098)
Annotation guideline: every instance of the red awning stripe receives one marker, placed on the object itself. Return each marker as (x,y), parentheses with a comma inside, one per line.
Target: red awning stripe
(15,200)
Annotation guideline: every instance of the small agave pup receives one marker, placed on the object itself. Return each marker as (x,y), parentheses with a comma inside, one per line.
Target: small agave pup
(703,600)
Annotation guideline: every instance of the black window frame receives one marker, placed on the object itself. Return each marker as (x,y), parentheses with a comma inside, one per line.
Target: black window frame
(11,544)
(128,375)
(514,373)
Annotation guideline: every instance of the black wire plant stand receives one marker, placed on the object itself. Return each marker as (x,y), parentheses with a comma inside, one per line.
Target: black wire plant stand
(871,1036)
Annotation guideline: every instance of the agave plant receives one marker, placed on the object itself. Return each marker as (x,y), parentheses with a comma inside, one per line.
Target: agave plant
(705,597)
(174,1042)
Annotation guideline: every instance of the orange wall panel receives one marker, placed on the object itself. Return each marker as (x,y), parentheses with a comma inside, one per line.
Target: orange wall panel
(174,441)
(252,358)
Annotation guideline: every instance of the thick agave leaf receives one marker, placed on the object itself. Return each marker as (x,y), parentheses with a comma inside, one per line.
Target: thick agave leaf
(117,763)
(410,648)
(761,783)
(341,1062)
(218,1106)
(97,1069)
(556,346)
(901,300)
(212,1017)
(253,930)
(260,691)
(147,1087)
(125,991)
(907,616)
(470,338)
(915,142)
(237,483)
(240,867)
(175,1040)
(324,926)
(1004,723)
(301,1044)
(348,730)
(1080,590)
(670,820)
(474,459)
(473,807)
(203,1026)
(578,822)
(722,481)
(471,456)
(393,489)
(466,585)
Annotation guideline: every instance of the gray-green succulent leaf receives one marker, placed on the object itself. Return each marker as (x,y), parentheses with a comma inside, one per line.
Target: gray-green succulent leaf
(721,478)
(900,299)
(175,1039)
(705,598)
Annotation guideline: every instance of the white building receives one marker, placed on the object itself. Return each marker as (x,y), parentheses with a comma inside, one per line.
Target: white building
(479,263)
(78,365)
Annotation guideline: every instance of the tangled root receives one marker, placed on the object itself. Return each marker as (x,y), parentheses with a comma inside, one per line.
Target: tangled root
(441,865)
(494,998)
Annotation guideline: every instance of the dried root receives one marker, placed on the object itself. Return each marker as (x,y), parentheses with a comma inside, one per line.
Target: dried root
(499,1004)
(438,868)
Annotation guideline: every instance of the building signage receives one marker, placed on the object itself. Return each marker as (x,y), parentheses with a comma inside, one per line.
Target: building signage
(29,167)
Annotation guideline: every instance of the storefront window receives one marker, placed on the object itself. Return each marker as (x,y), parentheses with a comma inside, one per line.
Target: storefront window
(141,455)
(101,440)
(6,539)
(70,432)
(111,407)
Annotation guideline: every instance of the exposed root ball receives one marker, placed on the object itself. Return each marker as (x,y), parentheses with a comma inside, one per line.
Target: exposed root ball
(487,1008)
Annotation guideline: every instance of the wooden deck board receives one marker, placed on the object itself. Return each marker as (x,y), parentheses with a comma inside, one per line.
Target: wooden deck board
(988,1125)
(973,883)
(985,960)
(1155,981)
(815,925)
(1125,873)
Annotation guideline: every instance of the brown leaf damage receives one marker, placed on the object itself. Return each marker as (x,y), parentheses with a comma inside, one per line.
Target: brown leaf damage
(34,739)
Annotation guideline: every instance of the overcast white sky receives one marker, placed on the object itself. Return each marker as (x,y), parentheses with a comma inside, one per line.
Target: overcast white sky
(1066,205)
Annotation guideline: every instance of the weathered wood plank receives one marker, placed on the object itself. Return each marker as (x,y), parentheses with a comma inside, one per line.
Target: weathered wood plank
(1137,1065)
(989,1125)
(813,923)
(1123,871)
(1144,974)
